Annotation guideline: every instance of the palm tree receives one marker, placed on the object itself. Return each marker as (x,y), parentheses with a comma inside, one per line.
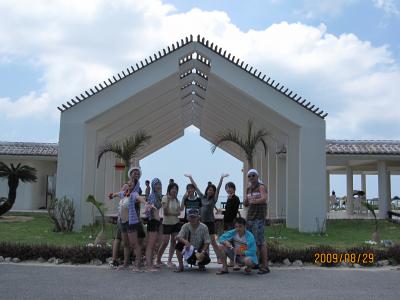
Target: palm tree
(127,149)
(14,174)
(247,144)
(101,238)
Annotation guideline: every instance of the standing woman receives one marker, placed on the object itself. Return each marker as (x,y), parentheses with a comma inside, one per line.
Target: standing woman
(208,202)
(190,201)
(133,217)
(171,227)
(231,207)
(153,206)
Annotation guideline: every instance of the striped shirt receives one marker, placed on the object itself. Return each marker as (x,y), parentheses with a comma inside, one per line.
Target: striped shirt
(256,211)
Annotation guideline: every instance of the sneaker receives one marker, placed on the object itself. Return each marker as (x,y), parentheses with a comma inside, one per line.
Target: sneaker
(113,264)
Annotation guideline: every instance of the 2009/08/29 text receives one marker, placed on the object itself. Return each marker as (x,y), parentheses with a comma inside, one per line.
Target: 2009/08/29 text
(353,258)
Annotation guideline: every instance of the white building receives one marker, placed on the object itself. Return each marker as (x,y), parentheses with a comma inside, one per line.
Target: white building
(197,83)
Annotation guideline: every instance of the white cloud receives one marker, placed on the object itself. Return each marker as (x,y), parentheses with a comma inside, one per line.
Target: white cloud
(323,8)
(390,7)
(78,45)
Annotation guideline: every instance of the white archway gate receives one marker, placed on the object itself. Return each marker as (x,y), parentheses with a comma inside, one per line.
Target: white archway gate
(196,83)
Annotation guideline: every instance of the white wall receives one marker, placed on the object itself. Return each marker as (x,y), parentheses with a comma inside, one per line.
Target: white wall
(30,196)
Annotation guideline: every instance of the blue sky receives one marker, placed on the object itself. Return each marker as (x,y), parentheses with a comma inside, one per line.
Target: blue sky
(342,55)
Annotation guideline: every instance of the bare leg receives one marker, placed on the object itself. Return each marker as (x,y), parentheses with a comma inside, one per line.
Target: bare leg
(180,260)
(163,245)
(215,246)
(125,239)
(221,249)
(249,265)
(151,241)
(115,249)
(133,241)
(171,249)
(262,250)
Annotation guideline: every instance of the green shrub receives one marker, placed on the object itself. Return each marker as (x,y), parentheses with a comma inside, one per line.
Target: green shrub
(62,214)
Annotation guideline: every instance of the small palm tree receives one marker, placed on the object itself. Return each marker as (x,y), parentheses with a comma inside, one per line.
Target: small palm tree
(101,238)
(14,174)
(375,234)
(127,150)
(247,144)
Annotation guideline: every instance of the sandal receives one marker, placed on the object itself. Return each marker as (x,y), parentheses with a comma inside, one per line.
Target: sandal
(136,269)
(222,271)
(123,267)
(247,271)
(159,265)
(151,269)
(261,271)
(178,270)
(171,265)
(236,268)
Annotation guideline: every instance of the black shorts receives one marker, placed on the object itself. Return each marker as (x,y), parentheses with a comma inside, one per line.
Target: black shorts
(123,227)
(211,227)
(140,231)
(153,226)
(132,228)
(171,229)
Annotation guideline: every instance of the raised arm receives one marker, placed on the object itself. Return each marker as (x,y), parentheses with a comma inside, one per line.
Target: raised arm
(195,185)
(220,184)
(183,201)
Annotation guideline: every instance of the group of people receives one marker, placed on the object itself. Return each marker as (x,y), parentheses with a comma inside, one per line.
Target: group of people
(243,241)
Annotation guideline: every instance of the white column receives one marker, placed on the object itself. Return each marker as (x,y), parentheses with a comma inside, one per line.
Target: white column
(73,176)
(292,182)
(312,177)
(281,186)
(349,189)
(272,182)
(383,191)
(364,184)
(328,191)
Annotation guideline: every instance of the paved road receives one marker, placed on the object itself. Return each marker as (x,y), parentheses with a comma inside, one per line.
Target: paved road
(85,282)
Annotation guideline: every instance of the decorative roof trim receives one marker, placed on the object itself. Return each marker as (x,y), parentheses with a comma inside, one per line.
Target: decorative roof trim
(333,147)
(211,46)
(28,149)
(363,147)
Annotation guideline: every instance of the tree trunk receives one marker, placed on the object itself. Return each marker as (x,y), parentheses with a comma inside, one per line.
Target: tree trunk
(12,194)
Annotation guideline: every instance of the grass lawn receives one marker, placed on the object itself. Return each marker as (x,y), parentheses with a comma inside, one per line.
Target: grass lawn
(340,234)
(39,230)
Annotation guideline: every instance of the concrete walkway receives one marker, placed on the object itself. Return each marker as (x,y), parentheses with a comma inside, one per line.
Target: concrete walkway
(24,281)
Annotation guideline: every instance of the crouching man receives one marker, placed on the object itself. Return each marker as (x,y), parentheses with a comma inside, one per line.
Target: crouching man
(239,245)
(193,241)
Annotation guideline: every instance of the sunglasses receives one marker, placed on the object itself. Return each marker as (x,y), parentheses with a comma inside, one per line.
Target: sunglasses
(251,175)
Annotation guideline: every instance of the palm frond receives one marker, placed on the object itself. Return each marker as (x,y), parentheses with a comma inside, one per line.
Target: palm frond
(114,148)
(229,136)
(25,173)
(126,150)
(259,137)
(22,172)
(247,145)
(4,170)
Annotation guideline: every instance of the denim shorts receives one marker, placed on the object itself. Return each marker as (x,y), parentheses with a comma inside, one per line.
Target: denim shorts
(256,227)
